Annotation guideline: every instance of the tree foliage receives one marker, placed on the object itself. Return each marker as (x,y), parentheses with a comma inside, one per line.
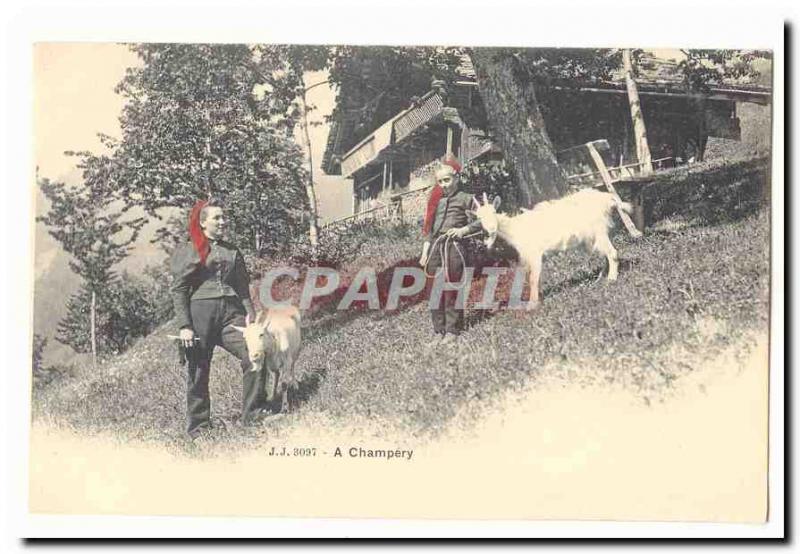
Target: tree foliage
(703,69)
(89,224)
(373,83)
(98,232)
(215,119)
(571,67)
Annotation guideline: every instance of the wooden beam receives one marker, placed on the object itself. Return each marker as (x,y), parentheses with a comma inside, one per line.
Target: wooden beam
(601,166)
(760,98)
(639,130)
(449,140)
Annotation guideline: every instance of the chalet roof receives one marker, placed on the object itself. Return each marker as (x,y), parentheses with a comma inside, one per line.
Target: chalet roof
(651,73)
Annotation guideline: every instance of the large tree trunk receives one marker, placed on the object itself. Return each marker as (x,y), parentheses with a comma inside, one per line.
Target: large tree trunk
(517,124)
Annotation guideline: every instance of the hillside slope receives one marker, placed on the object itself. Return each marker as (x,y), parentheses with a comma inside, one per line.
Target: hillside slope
(380,366)
(690,288)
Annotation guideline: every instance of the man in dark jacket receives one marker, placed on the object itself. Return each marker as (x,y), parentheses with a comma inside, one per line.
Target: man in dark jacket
(446,224)
(211,294)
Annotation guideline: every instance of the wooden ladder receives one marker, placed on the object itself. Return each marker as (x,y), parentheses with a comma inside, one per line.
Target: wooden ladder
(606,176)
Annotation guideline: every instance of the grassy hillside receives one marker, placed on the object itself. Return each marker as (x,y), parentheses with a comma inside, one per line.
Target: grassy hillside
(699,279)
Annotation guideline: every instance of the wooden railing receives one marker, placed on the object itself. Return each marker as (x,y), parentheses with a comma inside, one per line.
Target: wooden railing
(429,107)
(359,156)
(376,213)
(617,173)
(402,208)
(476,145)
(411,205)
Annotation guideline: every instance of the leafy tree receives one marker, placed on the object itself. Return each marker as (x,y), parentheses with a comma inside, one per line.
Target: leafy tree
(89,224)
(373,83)
(204,119)
(705,68)
(299,59)
(130,307)
(92,227)
(494,179)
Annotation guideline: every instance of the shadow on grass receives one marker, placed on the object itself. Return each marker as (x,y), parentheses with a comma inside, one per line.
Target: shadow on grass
(306,387)
(582,277)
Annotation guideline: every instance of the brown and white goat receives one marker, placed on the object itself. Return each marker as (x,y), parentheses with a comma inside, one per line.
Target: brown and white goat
(273,342)
(583,217)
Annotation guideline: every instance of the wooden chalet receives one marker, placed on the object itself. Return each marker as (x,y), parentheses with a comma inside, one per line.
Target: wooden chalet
(392,162)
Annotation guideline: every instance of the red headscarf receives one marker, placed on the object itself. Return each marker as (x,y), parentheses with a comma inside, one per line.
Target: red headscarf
(436,195)
(199,238)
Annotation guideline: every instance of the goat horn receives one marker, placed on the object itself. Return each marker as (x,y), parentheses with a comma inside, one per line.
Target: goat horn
(247,319)
(485,198)
(475,203)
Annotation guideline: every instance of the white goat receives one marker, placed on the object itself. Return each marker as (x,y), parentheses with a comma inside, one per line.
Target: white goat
(583,217)
(273,341)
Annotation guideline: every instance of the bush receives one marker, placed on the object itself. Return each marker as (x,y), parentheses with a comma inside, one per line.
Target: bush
(493,178)
(128,307)
(43,376)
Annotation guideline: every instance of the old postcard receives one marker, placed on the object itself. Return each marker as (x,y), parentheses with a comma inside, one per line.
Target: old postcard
(432,282)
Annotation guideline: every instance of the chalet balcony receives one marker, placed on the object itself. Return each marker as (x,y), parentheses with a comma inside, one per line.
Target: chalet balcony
(427,110)
(368,150)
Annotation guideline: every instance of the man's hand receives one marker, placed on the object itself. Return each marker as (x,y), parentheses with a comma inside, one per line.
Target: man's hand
(187,337)
(457,233)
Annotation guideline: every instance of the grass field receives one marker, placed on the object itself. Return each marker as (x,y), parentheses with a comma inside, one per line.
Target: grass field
(696,283)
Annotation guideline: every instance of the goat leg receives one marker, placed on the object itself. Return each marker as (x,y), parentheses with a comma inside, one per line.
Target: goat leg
(284,398)
(533,281)
(273,392)
(604,246)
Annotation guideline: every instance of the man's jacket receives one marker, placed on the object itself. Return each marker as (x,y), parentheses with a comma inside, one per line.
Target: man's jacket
(451,212)
(224,274)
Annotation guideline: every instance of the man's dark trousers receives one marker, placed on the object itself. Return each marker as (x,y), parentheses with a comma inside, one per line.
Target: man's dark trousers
(213,321)
(445,316)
